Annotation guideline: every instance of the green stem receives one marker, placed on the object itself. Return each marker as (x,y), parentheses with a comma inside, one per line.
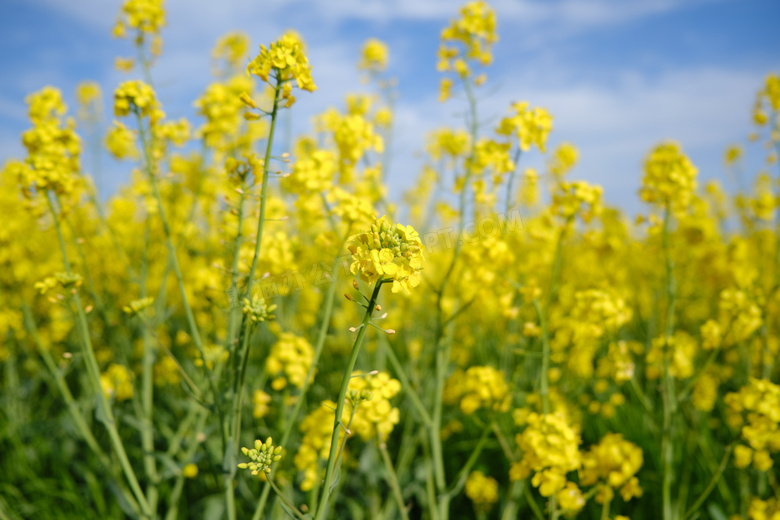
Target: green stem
(460,482)
(711,485)
(323,505)
(330,298)
(104,408)
(669,401)
(264,189)
(544,385)
(392,480)
(405,383)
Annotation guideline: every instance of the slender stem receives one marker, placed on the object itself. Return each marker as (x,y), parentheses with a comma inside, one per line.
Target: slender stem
(406,384)
(323,505)
(711,485)
(392,479)
(669,402)
(605,509)
(104,408)
(544,385)
(300,401)
(511,182)
(460,482)
(264,189)
(285,501)
(532,503)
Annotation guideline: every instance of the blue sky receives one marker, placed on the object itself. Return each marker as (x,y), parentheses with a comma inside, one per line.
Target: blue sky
(618,75)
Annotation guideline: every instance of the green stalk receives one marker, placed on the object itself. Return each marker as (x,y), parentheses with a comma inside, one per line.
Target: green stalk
(544,384)
(231,449)
(460,482)
(669,401)
(405,383)
(711,485)
(326,491)
(330,297)
(264,188)
(511,182)
(104,408)
(392,479)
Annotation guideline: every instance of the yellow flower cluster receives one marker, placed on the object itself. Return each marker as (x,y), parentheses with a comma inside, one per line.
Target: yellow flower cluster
(146,16)
(771,94)
(475,30)
(233,49)
(597,312)
(263,455)
(117,382)
(490,156)
(387,252)
(53,148)
(136,96)
(354,136)
(757,405)
(550,449)
(261,401)
(287,58)
(449,143)
(375,417)
(738,314)
(764,509)
(481,490)
(313,173)
(221,106)
(373,56)
(121,142)
(478,387)
(563,159)
(577,198)
(529,126)
(669,177)
(289,361)
(612,463)
(680,350)
(351,209)
(317,431)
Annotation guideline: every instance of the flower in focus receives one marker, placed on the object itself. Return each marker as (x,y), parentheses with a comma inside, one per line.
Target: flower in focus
(287,58)
(387,252)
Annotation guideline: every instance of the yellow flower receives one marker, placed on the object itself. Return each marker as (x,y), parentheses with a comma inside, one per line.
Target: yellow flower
(120,141)
(289,361)
(481,490)
(387,252)
(373,56)
(190,471)
(139,97)
(287,58)
(669,177)
(117,382)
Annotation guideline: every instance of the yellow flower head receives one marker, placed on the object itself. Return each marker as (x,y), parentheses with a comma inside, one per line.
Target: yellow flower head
(137,96)
(231,48)
(614,462)
(289,361)
(531,127)
(120,141)
(387,252)
(475,31)
(117,382)
(669,177)
(287,59)
(482,490)
(375,416)
(373,56)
